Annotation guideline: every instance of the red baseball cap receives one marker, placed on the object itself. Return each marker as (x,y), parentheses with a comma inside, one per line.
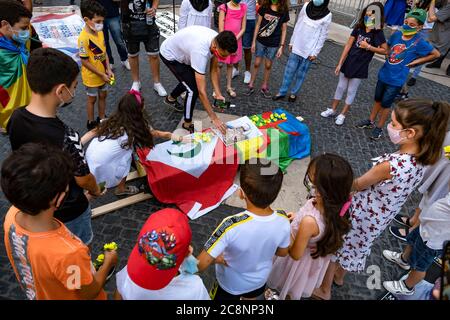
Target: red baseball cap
(162,246)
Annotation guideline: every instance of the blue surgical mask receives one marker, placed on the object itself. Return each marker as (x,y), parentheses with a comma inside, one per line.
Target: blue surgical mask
(189,265)
(318,3)
(21,36)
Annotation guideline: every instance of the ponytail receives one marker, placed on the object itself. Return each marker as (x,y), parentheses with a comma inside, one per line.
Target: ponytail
(433,119)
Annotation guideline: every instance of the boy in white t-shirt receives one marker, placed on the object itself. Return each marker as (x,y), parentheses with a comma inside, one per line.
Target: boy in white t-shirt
(243,245)
(161,265)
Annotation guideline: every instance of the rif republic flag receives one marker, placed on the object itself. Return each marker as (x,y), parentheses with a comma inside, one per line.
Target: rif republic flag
(14,89)
(284,139)
(195,176)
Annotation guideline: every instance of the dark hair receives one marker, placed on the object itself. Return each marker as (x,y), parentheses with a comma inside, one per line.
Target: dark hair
(423,4)
(90,9)
(34,174)
(283,5)
(432,118)
(48,67)
(226,40)
(333,179)
(361,25)
(130,117)
(261,189)
(12,11)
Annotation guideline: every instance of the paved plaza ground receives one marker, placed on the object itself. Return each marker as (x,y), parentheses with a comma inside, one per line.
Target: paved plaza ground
(123,225)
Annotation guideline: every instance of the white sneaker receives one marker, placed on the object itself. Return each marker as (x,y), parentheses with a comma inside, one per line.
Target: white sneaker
(247,77)
(328,113)
(398,287)
(136,86)
(396,257)
(126,64)
(235,73)
(340,120)
(160,89)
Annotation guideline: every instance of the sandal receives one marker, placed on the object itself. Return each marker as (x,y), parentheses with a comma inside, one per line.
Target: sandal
(189,128)
(231,92)
(400,219)
(292,98)
(129,190)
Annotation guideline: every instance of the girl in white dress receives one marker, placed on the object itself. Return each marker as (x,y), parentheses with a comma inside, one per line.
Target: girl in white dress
(110,152)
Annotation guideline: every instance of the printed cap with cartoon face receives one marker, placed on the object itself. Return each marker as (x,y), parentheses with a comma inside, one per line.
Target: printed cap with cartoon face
(162,246)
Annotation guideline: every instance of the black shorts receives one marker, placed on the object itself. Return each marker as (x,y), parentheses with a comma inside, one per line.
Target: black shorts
(151,42)
(217,293)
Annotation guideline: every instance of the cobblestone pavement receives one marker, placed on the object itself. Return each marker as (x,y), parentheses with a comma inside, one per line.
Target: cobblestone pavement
(123,225)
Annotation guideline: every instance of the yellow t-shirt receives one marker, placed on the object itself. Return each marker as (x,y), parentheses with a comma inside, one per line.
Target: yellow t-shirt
(93,47)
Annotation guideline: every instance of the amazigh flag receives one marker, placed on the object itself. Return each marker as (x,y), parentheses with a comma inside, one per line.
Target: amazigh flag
(284,139)
(14,89)
(195,176)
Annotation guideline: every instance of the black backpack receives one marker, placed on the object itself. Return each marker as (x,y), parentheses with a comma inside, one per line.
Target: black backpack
(217,4)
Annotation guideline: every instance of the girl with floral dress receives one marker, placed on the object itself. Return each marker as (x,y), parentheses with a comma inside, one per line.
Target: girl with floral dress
(233,17)
(419,127)
(317,230)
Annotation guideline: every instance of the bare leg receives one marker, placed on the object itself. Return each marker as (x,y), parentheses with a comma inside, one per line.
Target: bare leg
(375,109)
(267,69)
(102,104)
(335,104)
(90,107)
(385,112)
(255,71)
(229,75)
(339,276)
(134,64)
(346,109)
(415,218)
(248,59)
(324,291)
(414,277)
(154,65)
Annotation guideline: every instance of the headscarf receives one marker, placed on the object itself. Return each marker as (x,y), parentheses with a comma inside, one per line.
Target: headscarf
(317,13)
(199,5)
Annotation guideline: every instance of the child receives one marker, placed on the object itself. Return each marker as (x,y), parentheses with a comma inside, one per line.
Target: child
(52,76)
(243,245)
(14,54)
(406,49)
(50,263)
(424,244)
(419,127)
(195,13)
(307,40)
(232,17)
(95,71)
(268,40)
(109,154)
(366,39)
(321,224)
(161,265)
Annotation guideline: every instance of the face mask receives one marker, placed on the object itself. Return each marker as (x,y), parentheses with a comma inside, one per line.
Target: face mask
(369,22)
(64,104)
(98,27)
(318,3)
(309,187)
(394,134)
(189,265)
(20,36)
(408,31)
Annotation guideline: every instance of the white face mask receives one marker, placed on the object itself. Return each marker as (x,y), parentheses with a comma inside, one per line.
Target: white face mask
(63,103)
(98,26)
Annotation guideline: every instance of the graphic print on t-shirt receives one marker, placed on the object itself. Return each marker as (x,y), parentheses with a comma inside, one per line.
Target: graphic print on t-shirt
(270,27)
(137,9)
(98,53)
(360,39)
(397,53)
(19,252)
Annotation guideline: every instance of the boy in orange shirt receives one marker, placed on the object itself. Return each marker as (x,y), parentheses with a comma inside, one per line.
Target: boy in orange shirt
(95,71)
(50,263)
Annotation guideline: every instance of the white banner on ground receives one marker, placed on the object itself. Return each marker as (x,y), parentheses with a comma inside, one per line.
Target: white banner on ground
(164,20)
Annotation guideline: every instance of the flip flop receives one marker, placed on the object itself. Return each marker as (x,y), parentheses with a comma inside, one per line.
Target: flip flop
(399,219)
(129,190)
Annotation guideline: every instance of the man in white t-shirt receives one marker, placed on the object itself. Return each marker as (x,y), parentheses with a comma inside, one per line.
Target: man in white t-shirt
(243,245)
(187,54)
(161,265)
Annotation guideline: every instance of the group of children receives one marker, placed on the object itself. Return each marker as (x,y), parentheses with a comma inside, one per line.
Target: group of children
(259,252)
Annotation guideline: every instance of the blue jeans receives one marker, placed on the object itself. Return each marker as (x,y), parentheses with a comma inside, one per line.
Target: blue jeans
(82,227)
(385,94)
(113,25)
(422,256)
(298,67)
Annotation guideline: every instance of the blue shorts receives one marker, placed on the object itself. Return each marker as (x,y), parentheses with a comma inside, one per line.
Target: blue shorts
(386,94)
(247,38)
(82,227)
(266,52)
(422,256)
